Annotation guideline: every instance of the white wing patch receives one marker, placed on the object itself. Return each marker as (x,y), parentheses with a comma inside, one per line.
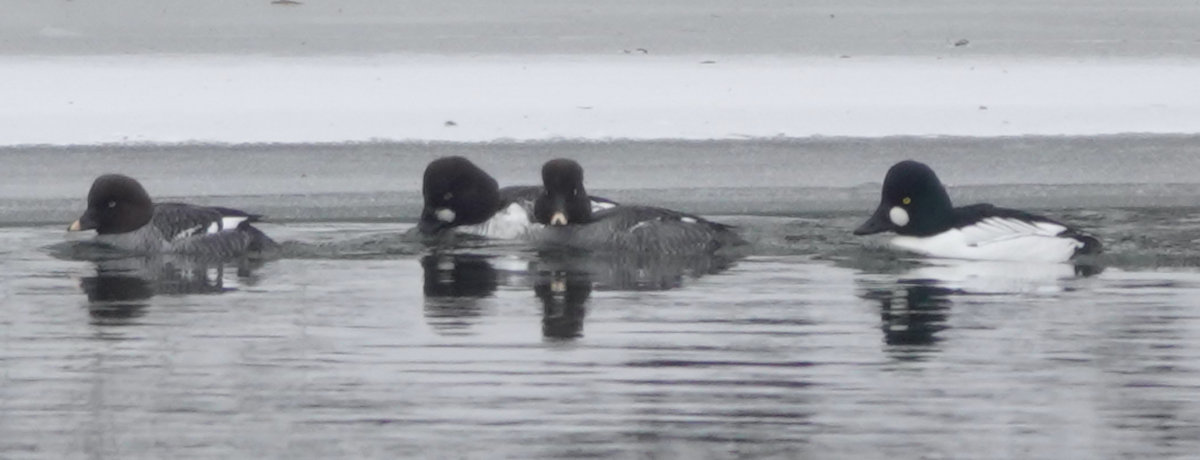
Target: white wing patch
(188,233)
(994,230)
(227,223)
(602,205)
(996,238)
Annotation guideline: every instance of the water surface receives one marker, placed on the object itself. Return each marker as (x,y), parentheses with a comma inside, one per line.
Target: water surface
(362,343)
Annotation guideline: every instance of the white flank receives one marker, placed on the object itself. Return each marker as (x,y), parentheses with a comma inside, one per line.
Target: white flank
(996,238)
(688,220)
(510,223)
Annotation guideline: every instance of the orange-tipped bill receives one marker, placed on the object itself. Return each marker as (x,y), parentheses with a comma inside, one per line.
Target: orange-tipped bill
(558,218)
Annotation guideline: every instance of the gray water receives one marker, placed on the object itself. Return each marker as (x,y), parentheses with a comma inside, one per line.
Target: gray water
(360,343)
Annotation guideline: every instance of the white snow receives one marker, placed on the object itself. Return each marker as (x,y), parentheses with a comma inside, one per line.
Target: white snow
(240,99)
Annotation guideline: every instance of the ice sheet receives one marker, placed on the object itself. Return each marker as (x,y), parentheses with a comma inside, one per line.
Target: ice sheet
(254,99)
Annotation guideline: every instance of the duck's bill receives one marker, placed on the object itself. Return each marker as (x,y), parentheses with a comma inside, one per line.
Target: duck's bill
(432,221)
(430,227)
(558,211)
(878,223)
(558,218)
(85,222)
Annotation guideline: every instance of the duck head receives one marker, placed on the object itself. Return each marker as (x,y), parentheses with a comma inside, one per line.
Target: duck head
(913,202)
(456,193)
(564,200)
(115,204)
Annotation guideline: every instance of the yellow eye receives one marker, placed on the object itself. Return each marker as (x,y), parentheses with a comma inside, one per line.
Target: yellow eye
(906,200)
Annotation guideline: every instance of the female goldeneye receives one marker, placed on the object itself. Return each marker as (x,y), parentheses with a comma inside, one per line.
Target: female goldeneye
(573,223)
(124,218)
(461,196)
(916,206)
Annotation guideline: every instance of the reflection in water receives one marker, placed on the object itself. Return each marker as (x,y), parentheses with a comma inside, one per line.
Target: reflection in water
(983,277)
(914,313)
(564,281)
(115,298)
(639,271)
(454,286)
(122,288)
(563,294)
(915,307)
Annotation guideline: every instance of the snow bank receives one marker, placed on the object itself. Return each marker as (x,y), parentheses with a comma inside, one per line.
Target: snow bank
(252,99)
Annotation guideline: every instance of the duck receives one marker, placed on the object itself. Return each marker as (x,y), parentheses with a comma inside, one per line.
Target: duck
(563,207)
(460,196)
(125,218)
(916,207)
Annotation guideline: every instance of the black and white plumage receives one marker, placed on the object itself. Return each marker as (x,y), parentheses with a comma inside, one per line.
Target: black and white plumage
(461,196)
(124,218)
(916,207)
(564,207)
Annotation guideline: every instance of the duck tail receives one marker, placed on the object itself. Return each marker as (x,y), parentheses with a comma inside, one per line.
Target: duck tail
(727,237)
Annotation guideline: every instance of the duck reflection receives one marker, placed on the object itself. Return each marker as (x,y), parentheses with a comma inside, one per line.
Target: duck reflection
(564,281)
(637,271)
(458,286)
(563,294)
(454,286)
(122,287)
(915,306)
(913,313)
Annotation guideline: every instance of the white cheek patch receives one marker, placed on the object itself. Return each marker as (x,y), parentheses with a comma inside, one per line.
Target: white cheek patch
(898,216)
(445,215)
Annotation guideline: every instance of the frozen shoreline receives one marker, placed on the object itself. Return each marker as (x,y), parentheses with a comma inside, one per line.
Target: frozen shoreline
(257,99)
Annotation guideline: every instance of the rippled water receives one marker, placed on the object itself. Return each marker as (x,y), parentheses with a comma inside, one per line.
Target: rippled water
(362,344)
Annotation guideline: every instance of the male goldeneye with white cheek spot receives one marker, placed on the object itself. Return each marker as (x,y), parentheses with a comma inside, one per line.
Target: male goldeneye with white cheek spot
(459,195)
(916,206)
